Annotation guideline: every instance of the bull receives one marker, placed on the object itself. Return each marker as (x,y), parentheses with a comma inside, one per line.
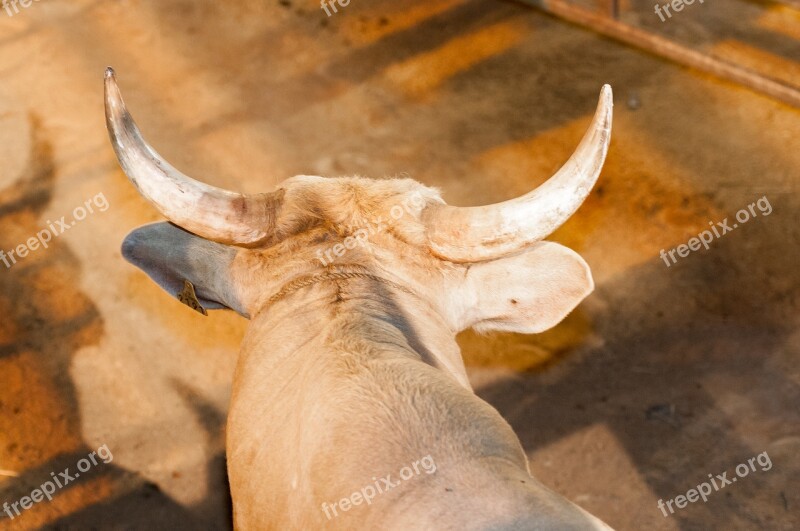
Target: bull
(351,407)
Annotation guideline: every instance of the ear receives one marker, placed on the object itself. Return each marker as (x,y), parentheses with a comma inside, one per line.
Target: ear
(527,293)
(170,255)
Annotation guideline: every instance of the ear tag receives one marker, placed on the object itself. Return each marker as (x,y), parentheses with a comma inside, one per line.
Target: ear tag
(189,298)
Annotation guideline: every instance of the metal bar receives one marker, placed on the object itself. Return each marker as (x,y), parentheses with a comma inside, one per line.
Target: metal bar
(666,48)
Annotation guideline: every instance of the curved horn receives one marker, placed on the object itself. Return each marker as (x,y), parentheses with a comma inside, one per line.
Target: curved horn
(209,212)
(473,234)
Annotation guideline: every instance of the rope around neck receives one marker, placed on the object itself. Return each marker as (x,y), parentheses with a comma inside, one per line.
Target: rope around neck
(308,280)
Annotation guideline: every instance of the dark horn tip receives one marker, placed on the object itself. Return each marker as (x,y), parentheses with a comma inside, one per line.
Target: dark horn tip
(109,72)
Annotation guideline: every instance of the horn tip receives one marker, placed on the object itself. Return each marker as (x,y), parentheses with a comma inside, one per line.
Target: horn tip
(606,94)
(605,108)
(109,73)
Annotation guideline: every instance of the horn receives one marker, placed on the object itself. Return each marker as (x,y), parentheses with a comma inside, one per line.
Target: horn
(474,234)
(209,212)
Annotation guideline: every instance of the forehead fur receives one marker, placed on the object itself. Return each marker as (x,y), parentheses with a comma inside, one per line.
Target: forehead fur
(348,203)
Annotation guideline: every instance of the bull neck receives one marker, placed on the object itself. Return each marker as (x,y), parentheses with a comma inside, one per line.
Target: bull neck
(323,298)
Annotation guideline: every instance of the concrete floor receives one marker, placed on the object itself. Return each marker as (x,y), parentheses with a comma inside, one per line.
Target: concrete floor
(663,376)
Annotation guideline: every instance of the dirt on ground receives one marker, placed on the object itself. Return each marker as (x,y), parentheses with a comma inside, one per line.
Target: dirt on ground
(665,376)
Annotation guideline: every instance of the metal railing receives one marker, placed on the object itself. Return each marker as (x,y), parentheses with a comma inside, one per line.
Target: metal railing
(605,21)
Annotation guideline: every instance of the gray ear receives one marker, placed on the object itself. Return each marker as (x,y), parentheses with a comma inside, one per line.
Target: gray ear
(170,256)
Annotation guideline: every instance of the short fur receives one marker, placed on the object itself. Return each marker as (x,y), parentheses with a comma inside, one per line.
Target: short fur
(348,379)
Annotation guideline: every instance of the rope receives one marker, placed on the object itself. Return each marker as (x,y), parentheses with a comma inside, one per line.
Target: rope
(302,282)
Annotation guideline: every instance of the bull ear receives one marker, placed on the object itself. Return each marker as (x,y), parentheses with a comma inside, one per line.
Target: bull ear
(171,256)
(528,292)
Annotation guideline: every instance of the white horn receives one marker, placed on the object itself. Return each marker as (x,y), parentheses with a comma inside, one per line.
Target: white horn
(473,234)
(209,212)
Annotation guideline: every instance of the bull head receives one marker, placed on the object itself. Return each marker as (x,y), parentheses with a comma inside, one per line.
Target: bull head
(229,239)
(380,273)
